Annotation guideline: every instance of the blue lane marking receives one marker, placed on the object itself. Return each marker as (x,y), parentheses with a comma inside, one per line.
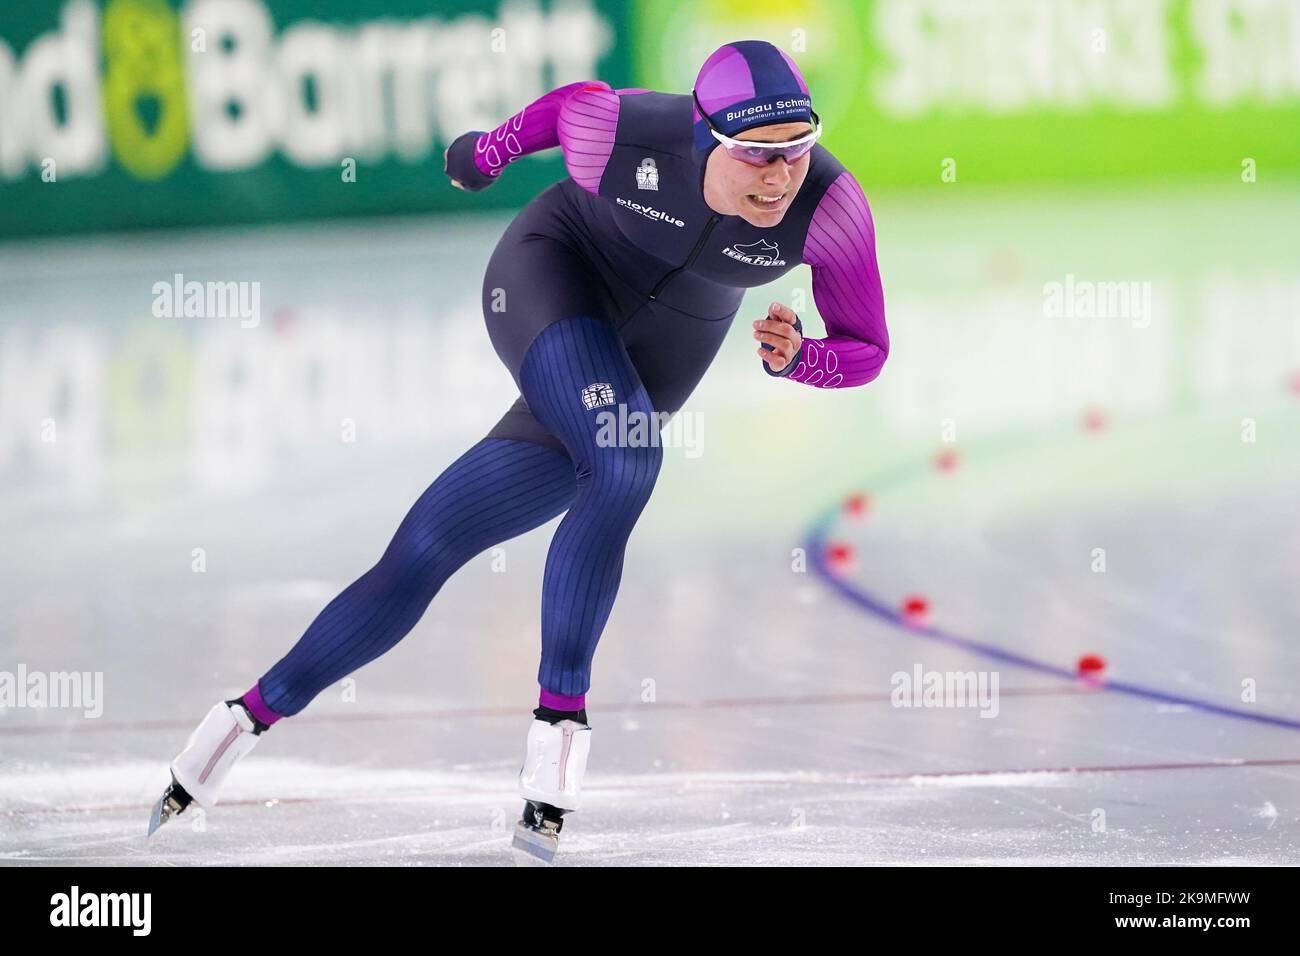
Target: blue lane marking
(816,547)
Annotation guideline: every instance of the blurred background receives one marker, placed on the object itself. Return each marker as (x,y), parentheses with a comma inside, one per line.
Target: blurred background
(1086,219)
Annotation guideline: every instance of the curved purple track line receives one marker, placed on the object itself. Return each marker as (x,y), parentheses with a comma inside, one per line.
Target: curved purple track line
(816,547)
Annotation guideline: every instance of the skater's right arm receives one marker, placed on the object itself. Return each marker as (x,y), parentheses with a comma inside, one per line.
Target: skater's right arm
(581,118)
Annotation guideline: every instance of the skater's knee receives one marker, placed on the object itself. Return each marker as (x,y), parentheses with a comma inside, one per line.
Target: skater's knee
(418,562)
(625,471)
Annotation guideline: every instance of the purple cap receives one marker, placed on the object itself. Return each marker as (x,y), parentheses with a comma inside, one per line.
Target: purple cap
(745,84)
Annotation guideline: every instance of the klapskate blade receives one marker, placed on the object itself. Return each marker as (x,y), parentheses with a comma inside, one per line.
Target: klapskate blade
(533,847)
(155,816)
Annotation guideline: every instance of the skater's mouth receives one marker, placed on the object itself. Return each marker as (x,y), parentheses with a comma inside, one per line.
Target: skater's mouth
(768,202)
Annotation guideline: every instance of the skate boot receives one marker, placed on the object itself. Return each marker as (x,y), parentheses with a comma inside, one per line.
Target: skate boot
(227,733)
(551,784)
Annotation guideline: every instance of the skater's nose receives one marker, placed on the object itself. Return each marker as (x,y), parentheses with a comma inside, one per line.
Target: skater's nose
(776,173)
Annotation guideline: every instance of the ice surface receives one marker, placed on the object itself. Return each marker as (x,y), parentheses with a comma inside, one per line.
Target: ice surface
(742,707)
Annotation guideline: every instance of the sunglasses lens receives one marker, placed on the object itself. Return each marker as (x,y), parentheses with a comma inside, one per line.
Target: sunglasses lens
(794,152)
(762,155)
(753,155)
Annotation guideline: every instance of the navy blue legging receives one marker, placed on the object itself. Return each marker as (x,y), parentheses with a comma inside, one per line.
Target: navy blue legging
(500,488)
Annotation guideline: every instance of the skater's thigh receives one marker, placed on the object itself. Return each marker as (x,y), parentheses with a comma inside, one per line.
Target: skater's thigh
(532,282)
(580,383)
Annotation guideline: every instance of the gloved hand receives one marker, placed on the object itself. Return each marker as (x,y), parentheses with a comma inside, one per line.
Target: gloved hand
(459,165)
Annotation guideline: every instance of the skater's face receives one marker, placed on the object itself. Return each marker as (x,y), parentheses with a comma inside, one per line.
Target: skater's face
(734,188)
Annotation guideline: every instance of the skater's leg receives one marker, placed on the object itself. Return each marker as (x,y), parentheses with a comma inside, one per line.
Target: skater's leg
(575,376)
(498,489)
(670,351)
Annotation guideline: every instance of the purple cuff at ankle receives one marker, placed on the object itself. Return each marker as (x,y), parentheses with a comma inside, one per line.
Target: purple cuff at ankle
(257,707)
(560,701)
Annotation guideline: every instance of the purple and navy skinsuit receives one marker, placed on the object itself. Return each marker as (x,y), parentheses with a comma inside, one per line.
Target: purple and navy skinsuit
(663,246)
(613,287)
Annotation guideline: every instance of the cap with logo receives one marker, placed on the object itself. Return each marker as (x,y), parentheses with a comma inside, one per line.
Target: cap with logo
(745,84)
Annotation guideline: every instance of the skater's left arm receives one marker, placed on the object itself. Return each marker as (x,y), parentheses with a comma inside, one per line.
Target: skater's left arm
(841,248)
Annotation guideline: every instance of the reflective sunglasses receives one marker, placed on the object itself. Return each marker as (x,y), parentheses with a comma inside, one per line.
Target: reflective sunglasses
(760,154)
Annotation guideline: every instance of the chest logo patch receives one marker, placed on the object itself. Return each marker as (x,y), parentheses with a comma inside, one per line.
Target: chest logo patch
(647,175)
(760,253)
(650,212)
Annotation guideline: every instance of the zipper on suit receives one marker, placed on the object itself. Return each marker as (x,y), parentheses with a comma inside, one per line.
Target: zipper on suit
(695,252)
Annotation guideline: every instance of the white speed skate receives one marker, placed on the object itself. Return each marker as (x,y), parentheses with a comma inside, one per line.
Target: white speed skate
(551,784)
(226,734)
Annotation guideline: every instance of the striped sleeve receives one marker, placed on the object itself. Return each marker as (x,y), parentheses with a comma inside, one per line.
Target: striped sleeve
(532,129)
(588,123)
(841,248)
(581,118)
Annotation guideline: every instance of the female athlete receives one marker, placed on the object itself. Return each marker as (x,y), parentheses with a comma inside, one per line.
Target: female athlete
(614,287)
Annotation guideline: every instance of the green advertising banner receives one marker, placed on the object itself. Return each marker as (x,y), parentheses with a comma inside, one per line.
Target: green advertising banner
(997,91)
(130,113)
(124,113)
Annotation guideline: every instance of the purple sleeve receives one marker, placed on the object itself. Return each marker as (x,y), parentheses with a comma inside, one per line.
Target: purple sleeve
(581,118)
(841,248)
(587,126)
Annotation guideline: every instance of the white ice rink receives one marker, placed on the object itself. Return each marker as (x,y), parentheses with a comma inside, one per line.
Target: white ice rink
(199,502)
